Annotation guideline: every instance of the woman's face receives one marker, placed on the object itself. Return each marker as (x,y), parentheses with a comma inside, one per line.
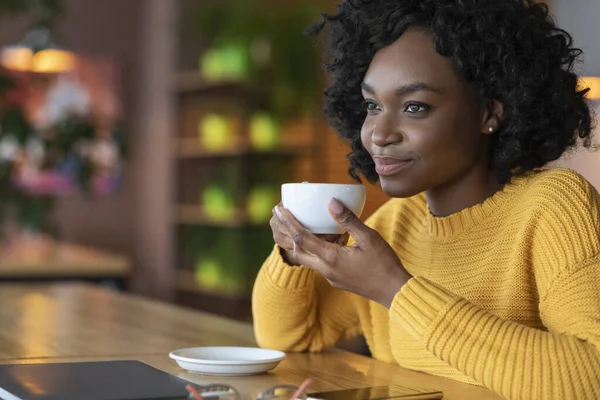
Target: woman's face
(425,127)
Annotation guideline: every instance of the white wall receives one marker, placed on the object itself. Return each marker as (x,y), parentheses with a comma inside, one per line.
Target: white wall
(581,18)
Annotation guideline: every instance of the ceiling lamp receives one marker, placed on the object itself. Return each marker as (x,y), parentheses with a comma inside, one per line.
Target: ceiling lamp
(38,53)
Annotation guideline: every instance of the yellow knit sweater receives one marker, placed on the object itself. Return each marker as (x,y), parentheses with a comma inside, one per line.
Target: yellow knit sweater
(505,294)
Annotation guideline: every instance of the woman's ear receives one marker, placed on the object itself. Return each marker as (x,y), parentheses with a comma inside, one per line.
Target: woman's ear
(492,117)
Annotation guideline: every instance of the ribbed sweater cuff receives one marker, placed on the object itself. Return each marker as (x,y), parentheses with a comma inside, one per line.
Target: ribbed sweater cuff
(418,303)
(285,275)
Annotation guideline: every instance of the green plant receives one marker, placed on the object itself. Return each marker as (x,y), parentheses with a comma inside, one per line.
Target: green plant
(284,74)
(38,166)
(72,148)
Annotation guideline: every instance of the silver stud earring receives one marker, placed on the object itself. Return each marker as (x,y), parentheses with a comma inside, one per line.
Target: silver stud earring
(491,129)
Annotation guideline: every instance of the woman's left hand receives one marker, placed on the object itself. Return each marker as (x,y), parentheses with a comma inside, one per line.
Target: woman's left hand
(369,268)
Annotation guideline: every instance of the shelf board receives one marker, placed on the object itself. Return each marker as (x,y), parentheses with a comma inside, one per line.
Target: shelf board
(190,148)
(65,260)
(195,215)
(186,281)
(192,82)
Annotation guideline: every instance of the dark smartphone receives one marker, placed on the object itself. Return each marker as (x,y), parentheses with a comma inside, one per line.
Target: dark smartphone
(376,393)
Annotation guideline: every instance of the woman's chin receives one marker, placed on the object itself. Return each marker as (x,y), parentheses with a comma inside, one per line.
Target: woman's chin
(398,188)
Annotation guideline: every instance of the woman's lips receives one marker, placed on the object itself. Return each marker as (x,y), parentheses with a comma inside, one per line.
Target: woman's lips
(386,166)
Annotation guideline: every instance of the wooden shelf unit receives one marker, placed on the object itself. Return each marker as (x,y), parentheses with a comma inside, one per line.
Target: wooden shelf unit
(191,82)
(236,244)
(191,148)
(186,281)
(189,293)
(195,215)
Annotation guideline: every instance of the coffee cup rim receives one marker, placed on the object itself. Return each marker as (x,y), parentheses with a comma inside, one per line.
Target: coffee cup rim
(323,184)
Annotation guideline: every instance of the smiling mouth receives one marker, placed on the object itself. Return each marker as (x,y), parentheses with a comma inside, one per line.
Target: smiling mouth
(386,166)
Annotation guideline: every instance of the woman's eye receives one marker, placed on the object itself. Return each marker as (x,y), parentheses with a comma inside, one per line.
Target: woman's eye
(372,106)
(415,108)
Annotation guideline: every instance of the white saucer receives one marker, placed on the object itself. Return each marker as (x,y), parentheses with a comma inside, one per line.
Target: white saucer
(227,361)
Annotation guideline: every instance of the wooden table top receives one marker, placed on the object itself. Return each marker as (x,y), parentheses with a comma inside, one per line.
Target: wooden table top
(70,322)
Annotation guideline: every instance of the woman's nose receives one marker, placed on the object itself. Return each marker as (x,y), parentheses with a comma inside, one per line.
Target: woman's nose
(385,134)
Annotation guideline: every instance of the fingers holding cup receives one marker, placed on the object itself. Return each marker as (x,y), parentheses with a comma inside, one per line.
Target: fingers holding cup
(281,235)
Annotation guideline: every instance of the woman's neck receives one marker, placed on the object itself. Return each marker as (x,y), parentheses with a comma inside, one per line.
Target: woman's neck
(470,189)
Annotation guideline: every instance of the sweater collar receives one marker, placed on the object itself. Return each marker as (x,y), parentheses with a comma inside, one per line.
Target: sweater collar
(444,227)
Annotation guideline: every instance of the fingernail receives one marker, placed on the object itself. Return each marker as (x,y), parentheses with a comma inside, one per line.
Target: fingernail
(278,212)
(336,206)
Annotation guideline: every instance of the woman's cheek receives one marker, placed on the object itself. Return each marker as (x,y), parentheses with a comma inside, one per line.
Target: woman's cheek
(366,133)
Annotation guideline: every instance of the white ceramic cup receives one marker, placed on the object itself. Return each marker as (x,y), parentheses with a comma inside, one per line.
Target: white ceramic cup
(309,203)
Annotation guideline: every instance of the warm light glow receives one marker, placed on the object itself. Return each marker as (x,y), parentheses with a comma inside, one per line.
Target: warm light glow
(46,61)
(593,83)
(52,61)
(17,58)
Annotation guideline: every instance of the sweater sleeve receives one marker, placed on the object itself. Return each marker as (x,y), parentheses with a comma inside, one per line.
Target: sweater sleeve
(295,309)
(513,360)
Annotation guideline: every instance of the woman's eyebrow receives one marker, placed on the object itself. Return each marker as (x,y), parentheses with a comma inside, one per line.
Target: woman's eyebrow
(404,89)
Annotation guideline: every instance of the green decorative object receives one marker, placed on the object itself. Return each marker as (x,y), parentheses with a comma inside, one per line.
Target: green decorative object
(226,260)
(227,62)
(260,203)
(209,274)
(235,60)
(212,66)
(283,70)
(217,268)
(215,132)
(264,131)
(218,205)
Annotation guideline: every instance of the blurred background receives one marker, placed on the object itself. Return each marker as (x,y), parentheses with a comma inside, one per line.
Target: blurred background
(143,142)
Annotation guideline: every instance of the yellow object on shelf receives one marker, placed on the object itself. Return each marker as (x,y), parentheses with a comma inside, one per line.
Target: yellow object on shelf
(208,274)
(260,203)
(211,276)
(264,131)
(215,131)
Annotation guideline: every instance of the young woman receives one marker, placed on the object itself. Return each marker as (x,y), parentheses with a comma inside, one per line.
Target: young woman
(484,268)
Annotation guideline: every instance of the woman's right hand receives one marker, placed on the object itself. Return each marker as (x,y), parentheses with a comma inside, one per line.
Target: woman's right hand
(283,238)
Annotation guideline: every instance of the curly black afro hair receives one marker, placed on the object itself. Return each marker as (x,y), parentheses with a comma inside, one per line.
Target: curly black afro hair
(511,50)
